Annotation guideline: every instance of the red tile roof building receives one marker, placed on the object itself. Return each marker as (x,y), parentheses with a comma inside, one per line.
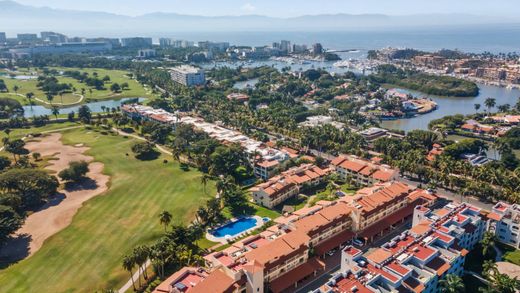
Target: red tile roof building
(361,171)
(416,260)
(278,258)
(288,184)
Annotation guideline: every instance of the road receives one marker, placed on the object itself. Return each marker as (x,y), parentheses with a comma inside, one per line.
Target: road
(325,276)
(452,196)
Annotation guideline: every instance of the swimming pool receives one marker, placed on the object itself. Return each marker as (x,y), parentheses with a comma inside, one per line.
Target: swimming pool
(236,227)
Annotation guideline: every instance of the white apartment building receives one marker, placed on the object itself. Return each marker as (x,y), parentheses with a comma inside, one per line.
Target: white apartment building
(505,223)
(188,75)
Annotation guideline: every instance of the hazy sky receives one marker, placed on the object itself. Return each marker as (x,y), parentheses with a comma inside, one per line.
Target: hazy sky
(288,7)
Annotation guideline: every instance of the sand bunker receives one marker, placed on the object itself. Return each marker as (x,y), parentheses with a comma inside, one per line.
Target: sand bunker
(59,211)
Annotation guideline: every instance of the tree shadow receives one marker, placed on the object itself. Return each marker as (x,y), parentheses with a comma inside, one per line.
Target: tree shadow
(84,184)
(53,200)
(185,167)
(148,156)
(14,250)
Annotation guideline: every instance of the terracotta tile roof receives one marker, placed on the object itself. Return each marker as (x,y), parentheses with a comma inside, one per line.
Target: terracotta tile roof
(383,175)
(421,252)
(397,268)
(337,161)
(421,228)
(280,249)
(379,255)
(494,216)
(268,164)
(383,197)
(187,276)
(353,166)
(217,281)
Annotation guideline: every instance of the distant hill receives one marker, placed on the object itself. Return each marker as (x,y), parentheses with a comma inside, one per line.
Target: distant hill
(15,17)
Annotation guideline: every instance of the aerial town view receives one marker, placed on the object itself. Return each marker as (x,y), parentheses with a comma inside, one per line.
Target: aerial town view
(246,146)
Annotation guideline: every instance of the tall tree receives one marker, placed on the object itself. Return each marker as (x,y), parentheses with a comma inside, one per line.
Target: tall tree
(452,284)
(128,265)
(165,219)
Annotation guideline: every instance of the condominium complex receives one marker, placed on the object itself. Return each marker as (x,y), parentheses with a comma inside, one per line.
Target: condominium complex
(417,259)
(282,256)
(288,184)
(262,157)
(188,75)
(505,223)
(362,171)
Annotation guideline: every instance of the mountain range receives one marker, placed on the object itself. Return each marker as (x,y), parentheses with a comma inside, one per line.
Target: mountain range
(16,18)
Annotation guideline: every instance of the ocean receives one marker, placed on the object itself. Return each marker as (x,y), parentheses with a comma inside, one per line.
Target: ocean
(477,39)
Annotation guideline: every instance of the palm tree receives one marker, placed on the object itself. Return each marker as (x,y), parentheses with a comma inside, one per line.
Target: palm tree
(477,107)
(128,265)
(7,131)
(50,97)
(489,268)
(165,219)
(490,103)
(29,96)
(55,111)
(204,180)
(15,89)
(452,284)
(487,242)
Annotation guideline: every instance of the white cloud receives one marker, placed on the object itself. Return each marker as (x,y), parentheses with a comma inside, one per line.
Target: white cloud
(248,7)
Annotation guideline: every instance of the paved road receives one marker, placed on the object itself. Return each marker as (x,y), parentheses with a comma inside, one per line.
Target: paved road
(452,196)
(325,276)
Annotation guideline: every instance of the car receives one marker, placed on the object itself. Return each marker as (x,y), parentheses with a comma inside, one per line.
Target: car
(358,242)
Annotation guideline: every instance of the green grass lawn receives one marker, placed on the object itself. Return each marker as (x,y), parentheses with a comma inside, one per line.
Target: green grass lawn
(116,76)
(21,132)
(511,254)
(86,256)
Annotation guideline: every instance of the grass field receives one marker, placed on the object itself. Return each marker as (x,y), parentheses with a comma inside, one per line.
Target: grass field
(86,256)
(116,76)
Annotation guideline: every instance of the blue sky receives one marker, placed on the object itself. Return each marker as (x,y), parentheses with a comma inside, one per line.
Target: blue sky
(285,8)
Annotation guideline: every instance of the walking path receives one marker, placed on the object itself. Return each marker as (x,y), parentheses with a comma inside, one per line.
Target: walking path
(135,276)
(81,98)
(159,147)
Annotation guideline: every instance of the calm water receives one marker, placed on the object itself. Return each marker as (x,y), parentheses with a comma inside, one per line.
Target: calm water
(452,106)
(235,227)
(30,111)
(475,38)
(246,83)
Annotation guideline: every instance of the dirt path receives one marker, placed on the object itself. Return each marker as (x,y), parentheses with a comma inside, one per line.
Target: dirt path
(59,211)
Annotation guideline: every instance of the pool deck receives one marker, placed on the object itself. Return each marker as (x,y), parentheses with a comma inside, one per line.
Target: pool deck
(223,240)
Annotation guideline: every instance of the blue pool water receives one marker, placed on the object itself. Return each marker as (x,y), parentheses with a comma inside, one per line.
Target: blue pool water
(235,228)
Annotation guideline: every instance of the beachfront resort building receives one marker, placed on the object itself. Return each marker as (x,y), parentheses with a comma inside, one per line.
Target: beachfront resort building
(361,171)
(417,259)
(188,75)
